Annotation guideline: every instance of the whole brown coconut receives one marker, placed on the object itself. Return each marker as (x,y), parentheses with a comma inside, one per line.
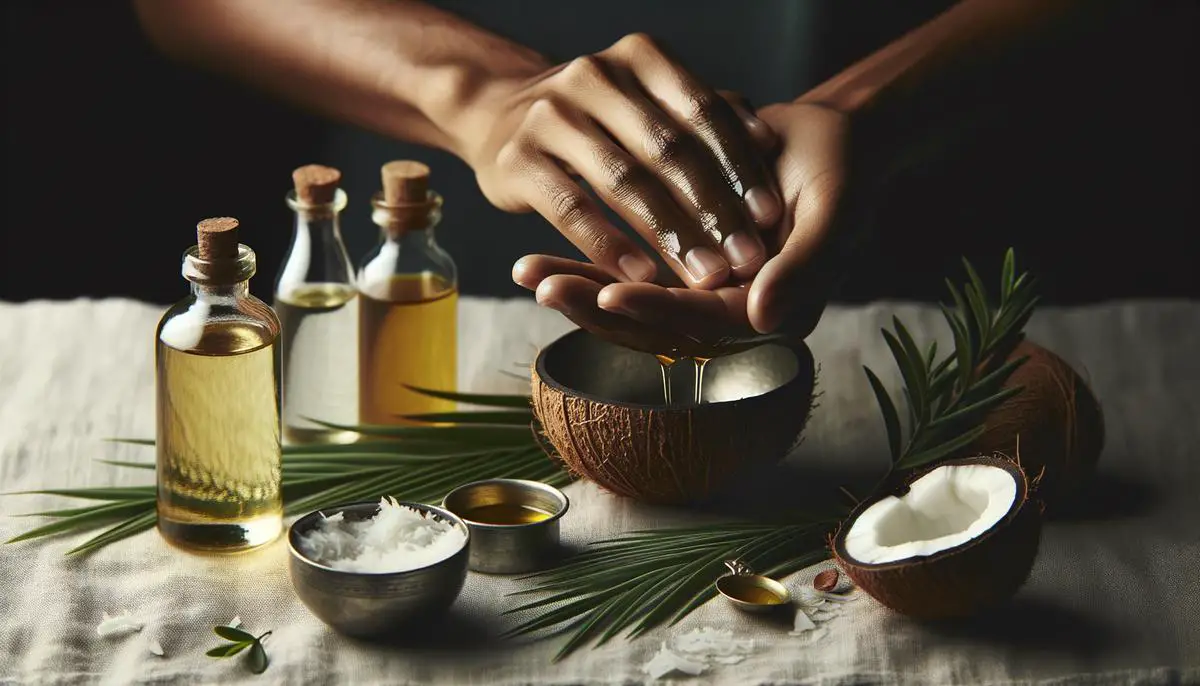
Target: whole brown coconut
(1054,427)
(951,580)
(601,407)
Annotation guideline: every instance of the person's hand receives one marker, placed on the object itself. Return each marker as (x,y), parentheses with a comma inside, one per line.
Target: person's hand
(669,155)
(787,295)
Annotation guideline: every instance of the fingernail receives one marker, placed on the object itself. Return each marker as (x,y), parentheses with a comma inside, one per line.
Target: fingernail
(637,267)
(545,297)
(763,205)
(520,274)
(742,249)
(702,262)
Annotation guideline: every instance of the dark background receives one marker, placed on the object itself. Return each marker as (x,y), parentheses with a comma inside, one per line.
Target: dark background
(113,153)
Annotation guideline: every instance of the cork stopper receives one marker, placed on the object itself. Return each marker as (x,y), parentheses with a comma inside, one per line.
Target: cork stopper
(405,182)
(217,238)
(316,184)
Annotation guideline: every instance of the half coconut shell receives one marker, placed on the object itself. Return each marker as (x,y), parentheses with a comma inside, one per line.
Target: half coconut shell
(601,408)
(963,579)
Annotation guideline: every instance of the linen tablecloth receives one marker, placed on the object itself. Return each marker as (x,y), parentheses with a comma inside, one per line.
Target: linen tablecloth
(1114,597)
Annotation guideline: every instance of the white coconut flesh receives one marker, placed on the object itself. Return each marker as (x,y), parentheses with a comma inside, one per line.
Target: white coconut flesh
(943,509)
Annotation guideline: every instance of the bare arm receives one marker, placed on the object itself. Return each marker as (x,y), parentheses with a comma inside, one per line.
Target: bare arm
(402,69)
(965,65)
(662,149)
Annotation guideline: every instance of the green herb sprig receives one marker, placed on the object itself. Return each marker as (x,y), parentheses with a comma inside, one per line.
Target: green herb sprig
(645,579)
(948,399)
(240,640)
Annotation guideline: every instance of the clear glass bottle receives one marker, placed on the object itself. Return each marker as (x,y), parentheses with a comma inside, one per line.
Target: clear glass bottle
(408,316)
(217,396)
(317,304)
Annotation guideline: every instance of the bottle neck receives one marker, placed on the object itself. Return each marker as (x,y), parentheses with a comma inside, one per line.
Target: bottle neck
(213,291)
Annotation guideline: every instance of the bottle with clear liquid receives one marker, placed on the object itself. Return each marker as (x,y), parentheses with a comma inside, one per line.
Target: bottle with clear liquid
(317,304)
(408,310)
(217,397)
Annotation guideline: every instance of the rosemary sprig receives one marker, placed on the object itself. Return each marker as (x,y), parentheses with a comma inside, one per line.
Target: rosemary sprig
(420,463)
(645,579)
(948,399)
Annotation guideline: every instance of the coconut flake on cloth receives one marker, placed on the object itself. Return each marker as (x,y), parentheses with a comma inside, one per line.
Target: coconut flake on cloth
(694,652)
(119,624)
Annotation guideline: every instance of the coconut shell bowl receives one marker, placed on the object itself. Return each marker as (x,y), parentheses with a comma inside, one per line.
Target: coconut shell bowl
(601,407)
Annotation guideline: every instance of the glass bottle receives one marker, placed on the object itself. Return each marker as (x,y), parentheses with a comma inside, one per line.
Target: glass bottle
(408,316)
(217,396)
(317,304)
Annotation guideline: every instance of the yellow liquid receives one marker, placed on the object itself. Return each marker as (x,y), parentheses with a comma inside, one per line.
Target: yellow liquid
(505,513)
(218,440)
(758,596)
(319,324)
(667,362)
(749,592)
(410,338)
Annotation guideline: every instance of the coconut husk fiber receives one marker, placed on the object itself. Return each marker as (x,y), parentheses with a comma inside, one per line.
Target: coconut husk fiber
(1054,427)
(672,456)
(959,582)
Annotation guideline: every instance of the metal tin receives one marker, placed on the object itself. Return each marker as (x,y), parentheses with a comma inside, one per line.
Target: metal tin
(745,589)
(510,548)
(369,604)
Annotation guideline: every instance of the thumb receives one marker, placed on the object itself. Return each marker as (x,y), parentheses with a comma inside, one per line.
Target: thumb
(789,292)
(762,134)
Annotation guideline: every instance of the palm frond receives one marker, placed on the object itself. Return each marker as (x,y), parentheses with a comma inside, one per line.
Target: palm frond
(646,579)
(421,463)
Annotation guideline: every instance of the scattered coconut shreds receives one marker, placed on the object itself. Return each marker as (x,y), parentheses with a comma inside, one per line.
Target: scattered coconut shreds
(237,620)
(803,623)
(154,647)
(665,662)
(694,652)
(824,615)
(810,637)
(120,624)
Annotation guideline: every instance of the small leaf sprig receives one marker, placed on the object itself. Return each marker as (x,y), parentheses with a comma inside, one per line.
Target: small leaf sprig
(239,640)
(948,399)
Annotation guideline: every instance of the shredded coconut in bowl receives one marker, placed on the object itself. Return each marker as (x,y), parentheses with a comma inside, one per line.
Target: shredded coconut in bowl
(397,539)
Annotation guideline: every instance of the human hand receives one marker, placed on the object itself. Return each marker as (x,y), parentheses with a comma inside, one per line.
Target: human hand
(669,155)
(788,294)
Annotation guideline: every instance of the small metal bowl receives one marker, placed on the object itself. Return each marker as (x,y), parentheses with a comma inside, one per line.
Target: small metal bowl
(510,548)
(371,604)
(747,591)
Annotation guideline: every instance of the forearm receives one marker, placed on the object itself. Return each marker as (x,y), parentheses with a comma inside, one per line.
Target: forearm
(402,69)
(959,67)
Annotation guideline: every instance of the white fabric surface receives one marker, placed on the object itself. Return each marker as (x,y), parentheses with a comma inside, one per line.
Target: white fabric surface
(1113,599)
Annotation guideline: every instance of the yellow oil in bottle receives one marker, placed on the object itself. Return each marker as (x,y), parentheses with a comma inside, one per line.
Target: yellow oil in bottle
(319,325)
(218,439)
(408,338)
(505,514)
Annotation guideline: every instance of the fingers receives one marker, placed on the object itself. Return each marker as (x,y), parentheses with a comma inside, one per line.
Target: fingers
(763,136)
(710,118)
(629,187)
(575,297)
(529,271)
(561,200)
(705,315)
